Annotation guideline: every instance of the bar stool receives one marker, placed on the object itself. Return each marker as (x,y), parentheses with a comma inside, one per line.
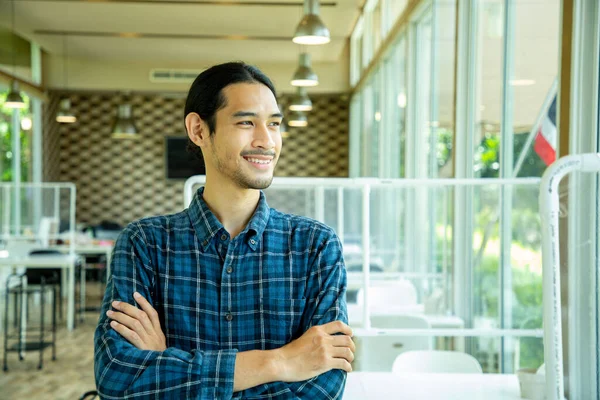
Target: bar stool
(40,281)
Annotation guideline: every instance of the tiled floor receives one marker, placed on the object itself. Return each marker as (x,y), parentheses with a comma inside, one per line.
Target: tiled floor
(68,377)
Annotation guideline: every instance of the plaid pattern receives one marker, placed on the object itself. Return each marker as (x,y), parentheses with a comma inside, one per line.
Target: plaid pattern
(217,296)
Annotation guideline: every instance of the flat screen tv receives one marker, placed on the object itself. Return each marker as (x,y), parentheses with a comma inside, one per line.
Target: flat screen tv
(180,163)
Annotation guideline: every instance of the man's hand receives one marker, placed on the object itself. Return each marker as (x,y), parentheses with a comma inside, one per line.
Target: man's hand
(141,328)
(317,351)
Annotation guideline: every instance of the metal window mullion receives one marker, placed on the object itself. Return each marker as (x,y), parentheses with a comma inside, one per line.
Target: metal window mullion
(462,233)
(506,170)
(37,137)
(16,169)
(433,112)
(355,129)
(584,268)
(410,144)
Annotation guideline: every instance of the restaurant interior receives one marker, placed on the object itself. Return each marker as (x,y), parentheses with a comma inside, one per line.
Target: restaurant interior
(452,145)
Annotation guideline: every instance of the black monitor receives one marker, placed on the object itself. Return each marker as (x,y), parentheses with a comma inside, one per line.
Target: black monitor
(180,163)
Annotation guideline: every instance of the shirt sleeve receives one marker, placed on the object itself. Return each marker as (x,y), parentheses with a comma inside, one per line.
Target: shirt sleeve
(326,302)
(123,371)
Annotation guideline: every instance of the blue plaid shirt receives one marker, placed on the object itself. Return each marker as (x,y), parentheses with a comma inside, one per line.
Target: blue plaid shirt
(217,296)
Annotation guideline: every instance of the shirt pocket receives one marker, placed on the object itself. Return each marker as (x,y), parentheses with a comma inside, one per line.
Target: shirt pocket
(280,320)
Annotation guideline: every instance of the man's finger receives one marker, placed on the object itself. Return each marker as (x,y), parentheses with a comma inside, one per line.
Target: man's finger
(343,341)
(127,321)
(340,363)
(135,313)
(342,352)
(128,334)
(337,327)
(148,309)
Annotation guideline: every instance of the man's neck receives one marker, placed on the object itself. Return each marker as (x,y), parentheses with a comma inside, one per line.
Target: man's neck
(232,205)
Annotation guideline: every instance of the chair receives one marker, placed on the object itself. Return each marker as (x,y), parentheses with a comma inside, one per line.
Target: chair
(392,293)
(40,281)
(378,353)
(89,263)
(436,362)
(90,395)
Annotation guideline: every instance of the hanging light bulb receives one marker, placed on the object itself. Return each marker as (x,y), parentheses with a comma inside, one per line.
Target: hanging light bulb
(26,123)
(301,101)
(124,127)
(14,99)
(297,119)
(304,75)
(311,30)
(64,114)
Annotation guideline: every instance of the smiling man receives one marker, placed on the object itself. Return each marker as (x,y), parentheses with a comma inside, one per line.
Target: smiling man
(228,298)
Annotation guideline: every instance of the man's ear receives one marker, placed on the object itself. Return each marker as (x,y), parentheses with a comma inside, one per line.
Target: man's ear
(197,129)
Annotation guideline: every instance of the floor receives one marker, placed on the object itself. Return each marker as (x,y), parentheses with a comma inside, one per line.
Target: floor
(71,375)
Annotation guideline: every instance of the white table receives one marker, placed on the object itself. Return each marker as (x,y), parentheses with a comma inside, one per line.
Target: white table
(88,249)
(66,262)
(386,385)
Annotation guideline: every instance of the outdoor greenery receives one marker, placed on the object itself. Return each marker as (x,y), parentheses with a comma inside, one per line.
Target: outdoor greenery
(6,154)
(525,250)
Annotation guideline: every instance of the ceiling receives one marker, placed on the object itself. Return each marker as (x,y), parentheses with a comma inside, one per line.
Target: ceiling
(178,31)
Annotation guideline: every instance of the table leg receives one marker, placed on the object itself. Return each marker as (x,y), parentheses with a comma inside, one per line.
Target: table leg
(71,297)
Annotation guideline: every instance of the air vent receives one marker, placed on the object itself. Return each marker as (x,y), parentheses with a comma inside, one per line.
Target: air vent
(173,75)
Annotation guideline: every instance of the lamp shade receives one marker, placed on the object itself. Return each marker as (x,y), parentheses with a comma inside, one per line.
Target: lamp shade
(297,119)
(64,114)
(301,101)
(14,99)
(311,30)
(304,75)
(124,127)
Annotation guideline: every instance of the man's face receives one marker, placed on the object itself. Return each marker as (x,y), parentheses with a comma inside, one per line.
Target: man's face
(246,143)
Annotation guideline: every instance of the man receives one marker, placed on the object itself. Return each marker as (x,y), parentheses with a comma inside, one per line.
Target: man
(228,298)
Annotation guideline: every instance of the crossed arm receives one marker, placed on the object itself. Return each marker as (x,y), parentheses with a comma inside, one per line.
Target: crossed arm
(317,351)
(132,360)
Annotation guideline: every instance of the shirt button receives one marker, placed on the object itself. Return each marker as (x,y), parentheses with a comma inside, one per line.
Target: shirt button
(252,241)
(223,237)
(228,317)
(229,270)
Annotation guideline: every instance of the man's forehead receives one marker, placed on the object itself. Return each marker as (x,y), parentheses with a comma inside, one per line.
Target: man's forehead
(249,95)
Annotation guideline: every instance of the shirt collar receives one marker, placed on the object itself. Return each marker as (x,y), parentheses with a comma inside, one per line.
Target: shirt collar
(207,225)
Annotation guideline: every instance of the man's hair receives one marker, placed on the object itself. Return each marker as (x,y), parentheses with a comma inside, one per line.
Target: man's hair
(206,93)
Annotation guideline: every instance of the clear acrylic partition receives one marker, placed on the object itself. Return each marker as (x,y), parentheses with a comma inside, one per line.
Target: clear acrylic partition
(35,216)
(443,273)
(36,212)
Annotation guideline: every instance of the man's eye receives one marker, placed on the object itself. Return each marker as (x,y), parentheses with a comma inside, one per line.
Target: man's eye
(247,123)
(276,123)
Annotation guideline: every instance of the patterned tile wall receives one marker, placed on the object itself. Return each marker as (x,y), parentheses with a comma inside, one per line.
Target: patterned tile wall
(123,180)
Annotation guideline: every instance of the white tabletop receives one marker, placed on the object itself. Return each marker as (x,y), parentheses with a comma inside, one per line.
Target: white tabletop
(86,248)
(386,385)
(39,261)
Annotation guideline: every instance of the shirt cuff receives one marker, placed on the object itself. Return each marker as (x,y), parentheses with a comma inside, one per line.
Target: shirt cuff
(218,368)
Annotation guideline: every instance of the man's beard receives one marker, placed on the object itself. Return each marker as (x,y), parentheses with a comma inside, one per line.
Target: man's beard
(241,179)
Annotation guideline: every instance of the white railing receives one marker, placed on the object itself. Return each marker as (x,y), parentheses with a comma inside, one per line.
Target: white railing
(549,210)
(365,186)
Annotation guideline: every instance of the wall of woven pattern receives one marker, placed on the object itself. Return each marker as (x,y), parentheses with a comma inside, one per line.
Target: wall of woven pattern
(124,180)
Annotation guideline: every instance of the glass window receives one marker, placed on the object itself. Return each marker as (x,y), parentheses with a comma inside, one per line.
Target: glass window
(393,10)
(534,66)
(7,152)
(435,59)
(395,117)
